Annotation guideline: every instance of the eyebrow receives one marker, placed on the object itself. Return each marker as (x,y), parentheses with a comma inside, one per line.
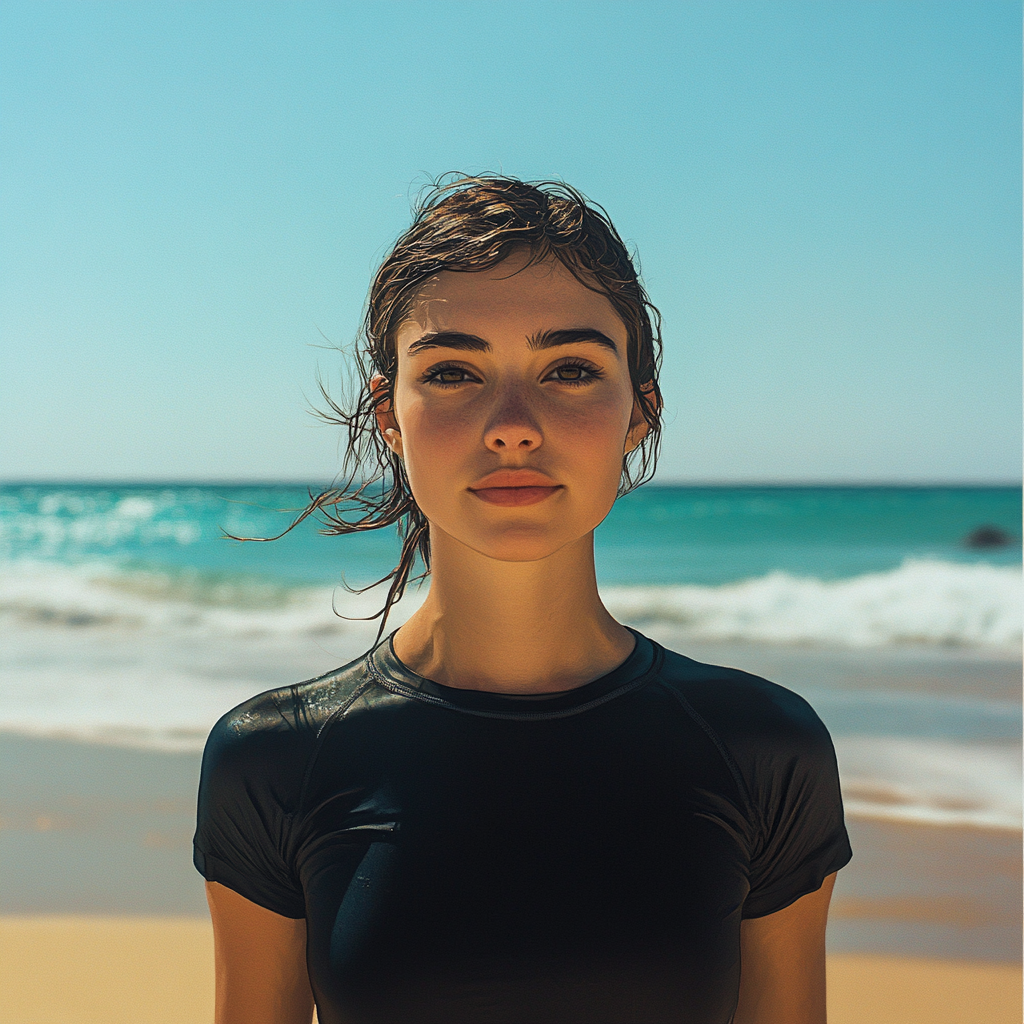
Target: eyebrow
(546,339)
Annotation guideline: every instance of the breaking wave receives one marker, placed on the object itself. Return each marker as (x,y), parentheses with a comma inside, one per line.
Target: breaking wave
(921,602)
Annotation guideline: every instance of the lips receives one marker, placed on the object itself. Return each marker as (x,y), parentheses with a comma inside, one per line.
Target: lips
(515,487)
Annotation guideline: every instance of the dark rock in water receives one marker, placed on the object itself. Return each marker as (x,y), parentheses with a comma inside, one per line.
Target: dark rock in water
(988,537)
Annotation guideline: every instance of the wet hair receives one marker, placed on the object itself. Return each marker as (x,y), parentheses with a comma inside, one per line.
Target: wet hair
(466,225)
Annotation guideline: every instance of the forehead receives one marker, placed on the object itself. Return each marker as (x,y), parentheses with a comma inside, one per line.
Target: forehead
(510,298)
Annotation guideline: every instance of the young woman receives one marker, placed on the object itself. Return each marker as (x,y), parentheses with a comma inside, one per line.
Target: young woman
(515,808)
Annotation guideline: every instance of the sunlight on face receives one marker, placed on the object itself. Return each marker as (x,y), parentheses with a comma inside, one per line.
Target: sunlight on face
(512,407)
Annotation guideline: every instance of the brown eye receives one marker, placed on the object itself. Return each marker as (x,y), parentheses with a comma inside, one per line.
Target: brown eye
(447,375)
(577,374)
(570,372)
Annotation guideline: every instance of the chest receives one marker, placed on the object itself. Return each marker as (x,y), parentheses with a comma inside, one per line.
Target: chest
(523,874)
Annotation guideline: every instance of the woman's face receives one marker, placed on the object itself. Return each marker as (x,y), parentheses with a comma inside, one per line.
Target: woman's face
(513,407)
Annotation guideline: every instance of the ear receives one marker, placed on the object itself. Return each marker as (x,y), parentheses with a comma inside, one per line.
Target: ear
(638,425)
(386,422)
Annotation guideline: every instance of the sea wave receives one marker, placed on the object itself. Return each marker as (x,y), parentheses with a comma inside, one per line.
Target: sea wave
(71,519)
(102,596)
(921,602)
(931,782)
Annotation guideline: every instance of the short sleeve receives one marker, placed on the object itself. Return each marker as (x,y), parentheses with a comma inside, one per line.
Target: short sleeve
(800,809)
(252,770)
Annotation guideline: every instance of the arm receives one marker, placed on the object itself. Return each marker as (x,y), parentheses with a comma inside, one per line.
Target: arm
(260,960)
(782,979)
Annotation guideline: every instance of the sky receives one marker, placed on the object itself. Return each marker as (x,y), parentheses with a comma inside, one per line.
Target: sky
(825,198)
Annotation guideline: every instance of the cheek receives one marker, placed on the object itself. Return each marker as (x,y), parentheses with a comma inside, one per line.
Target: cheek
(594,430)
(434,439)
(428,427)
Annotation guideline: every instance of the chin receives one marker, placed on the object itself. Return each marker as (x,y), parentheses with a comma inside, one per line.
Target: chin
(520,553)
(521,545)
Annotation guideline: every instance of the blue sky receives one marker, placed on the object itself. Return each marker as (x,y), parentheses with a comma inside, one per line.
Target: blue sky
(825,198)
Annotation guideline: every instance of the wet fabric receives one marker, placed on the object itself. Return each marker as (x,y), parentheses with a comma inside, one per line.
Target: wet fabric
(465,856)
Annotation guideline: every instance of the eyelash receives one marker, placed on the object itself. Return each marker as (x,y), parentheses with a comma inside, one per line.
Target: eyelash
(431,376)
(592,372)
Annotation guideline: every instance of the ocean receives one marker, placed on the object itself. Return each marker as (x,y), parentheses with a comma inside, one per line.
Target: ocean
(128,618)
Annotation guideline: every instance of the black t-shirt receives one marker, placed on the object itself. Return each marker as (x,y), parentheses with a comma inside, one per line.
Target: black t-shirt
(465,856)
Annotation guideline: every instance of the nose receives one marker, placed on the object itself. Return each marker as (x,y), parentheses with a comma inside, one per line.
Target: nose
(512,427)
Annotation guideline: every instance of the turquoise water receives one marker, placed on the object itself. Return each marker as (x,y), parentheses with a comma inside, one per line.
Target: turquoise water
(719,535)
(657,535)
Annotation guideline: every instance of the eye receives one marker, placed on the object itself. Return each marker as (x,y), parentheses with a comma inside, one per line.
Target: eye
(575,374)
(447,375)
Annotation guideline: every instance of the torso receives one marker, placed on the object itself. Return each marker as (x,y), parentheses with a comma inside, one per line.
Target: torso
(464,856)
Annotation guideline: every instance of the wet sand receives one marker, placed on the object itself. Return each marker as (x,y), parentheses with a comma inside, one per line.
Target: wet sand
(87,829)
(123,970)
(929,891)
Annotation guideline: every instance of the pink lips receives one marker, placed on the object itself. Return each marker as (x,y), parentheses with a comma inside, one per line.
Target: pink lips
(515,487)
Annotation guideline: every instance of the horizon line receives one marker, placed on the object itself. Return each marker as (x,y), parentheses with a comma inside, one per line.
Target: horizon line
(696,483)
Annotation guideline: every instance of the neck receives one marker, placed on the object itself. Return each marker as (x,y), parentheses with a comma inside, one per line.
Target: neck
(512,627)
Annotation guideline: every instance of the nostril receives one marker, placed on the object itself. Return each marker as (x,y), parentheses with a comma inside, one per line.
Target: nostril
(501,438)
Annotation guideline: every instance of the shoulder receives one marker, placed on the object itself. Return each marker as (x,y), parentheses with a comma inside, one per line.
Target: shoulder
(275,731)
(751,716)
(251,783)
(782,758)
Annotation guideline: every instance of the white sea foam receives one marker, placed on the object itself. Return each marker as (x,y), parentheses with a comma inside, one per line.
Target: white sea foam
(98,596)
(928,781)
(73,520)
(921,602)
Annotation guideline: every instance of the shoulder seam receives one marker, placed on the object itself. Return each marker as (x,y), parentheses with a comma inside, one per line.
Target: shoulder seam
(338,712)
(722,749)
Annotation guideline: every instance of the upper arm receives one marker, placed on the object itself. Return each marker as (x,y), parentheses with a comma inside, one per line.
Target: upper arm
(782,974)
(249,787)
(260,961)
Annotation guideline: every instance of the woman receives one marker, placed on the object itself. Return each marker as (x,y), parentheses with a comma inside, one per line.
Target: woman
(515,808)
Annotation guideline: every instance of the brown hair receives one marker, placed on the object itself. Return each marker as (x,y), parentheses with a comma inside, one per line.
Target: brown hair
(469,224)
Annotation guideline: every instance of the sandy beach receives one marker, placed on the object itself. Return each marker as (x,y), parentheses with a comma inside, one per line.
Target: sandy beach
(122,970)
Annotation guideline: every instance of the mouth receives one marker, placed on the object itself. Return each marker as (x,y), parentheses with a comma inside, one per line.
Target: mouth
(515,487)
